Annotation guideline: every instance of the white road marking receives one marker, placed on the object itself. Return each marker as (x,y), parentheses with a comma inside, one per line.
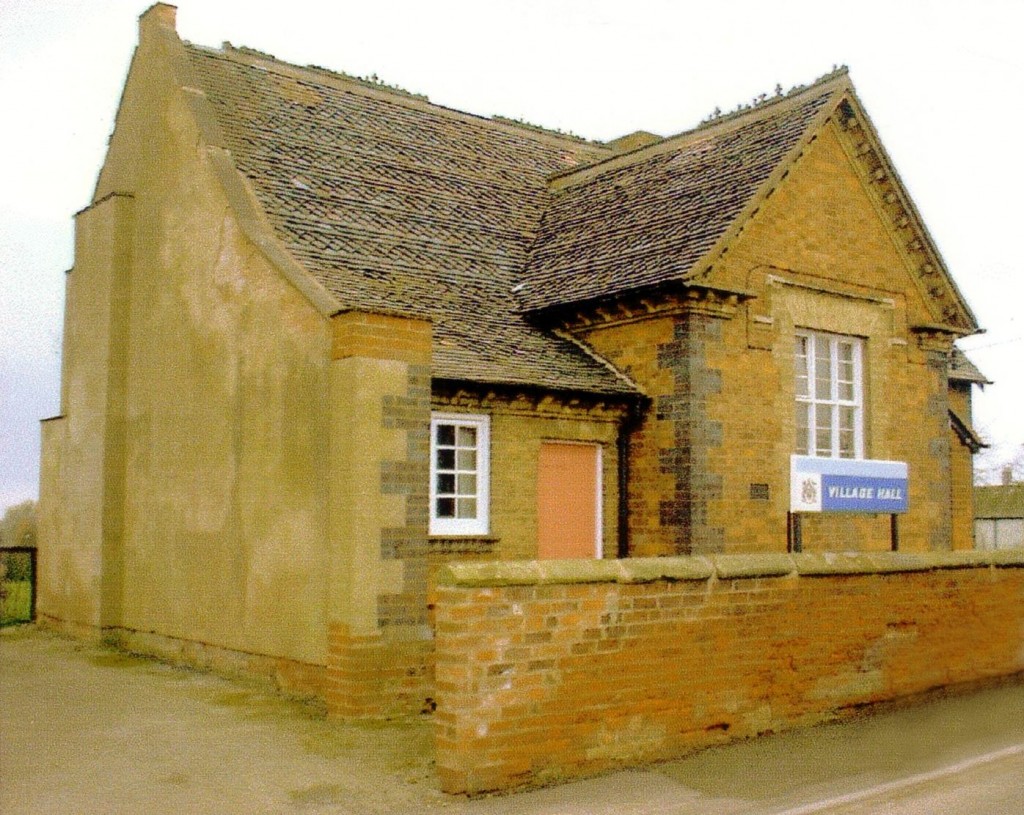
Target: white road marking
(910,781)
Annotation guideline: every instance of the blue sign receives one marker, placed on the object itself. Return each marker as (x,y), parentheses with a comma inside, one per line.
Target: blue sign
(847,485)
(848,493)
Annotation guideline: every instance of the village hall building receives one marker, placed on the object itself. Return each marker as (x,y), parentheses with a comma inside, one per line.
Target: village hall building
(323,336)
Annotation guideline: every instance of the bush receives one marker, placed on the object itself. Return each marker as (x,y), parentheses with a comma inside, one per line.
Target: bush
(18,525)
(19,566)
(16,606)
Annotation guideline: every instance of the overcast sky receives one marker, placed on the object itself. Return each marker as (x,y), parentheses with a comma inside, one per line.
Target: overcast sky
(942,81)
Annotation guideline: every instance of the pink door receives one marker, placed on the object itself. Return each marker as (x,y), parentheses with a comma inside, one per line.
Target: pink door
(569,500)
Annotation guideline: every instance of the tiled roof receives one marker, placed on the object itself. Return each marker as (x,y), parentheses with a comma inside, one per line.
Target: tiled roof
(646,219)
(963,370)
(396,205)
(400,206)
(1005,501)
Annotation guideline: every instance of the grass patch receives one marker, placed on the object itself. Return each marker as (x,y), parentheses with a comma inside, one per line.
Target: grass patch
(17,602)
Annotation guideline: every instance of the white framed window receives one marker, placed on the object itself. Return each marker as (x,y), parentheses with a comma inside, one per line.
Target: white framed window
(459,474)
(829,395)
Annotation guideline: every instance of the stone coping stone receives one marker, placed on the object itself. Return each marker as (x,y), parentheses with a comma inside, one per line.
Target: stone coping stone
(529,572)
(1007,557)
(724,567)
(839,563)
(769,564)
(649,569)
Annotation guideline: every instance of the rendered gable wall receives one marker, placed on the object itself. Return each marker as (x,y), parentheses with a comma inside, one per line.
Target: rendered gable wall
(81,489)
(207,524)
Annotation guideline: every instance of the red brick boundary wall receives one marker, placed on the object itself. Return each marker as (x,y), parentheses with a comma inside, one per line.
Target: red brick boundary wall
(554,670)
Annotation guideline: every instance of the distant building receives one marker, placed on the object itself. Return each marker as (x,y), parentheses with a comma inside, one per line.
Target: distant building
(999,516)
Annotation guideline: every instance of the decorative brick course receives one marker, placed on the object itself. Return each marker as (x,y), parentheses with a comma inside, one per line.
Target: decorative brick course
(560,677)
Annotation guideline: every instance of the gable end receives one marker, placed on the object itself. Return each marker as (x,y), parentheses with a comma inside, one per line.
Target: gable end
(897,210)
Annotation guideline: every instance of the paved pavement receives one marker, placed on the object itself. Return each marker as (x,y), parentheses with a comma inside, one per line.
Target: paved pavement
(86,730)
(990,784)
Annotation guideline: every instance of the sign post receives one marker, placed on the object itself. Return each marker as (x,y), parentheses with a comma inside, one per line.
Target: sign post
(846,485)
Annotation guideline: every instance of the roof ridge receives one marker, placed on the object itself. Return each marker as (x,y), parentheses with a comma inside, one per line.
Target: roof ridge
(744,113)
(554,131)
(762,101)
(376,86)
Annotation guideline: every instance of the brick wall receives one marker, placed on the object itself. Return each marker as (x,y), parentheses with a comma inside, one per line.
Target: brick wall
(549,671)
(818,255)
(374,675)
(634,346)
(665,344)
(380,336)
(379,627)
(709,463)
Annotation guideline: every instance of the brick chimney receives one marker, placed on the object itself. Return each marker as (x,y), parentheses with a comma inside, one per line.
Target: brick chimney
(1007,475)
(158,15)
(633,141)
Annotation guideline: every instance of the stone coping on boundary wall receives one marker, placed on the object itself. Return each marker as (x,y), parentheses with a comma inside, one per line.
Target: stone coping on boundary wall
(725,567)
